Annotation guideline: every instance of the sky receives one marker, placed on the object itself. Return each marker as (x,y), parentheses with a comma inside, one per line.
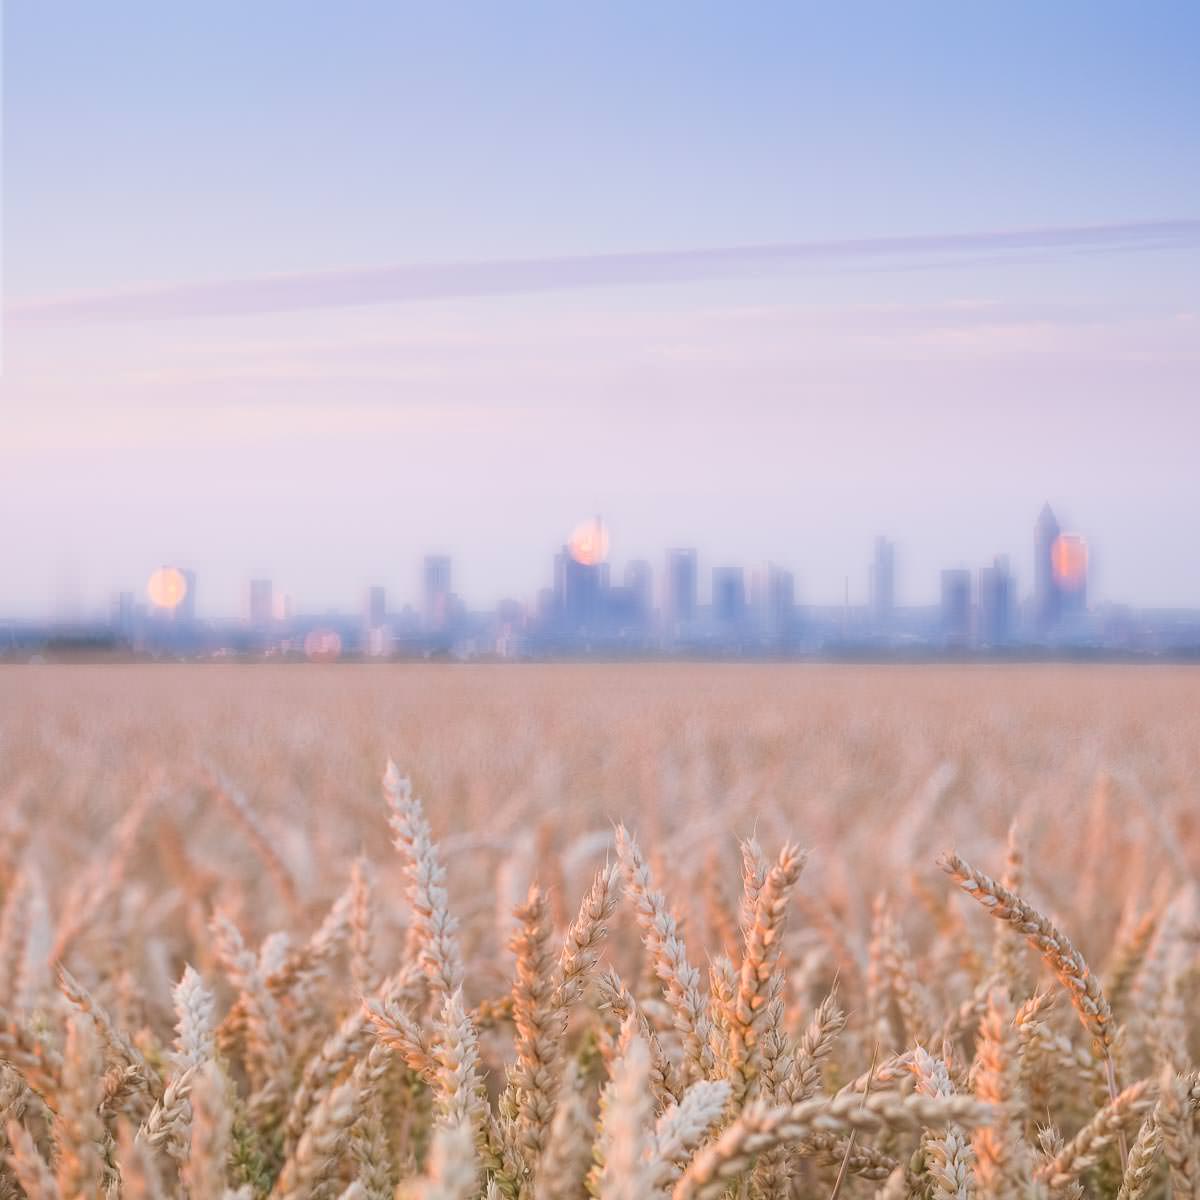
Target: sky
(309,290)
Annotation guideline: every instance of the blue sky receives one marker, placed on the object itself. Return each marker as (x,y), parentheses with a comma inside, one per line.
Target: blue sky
(788,411)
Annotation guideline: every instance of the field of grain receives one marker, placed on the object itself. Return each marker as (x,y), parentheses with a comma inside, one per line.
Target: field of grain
(623,931)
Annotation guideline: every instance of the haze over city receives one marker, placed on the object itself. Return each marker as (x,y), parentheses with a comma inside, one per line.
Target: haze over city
(768,284)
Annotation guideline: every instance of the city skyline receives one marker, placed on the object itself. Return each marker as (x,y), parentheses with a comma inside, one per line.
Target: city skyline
(590,605)
(656,577)
(770,284)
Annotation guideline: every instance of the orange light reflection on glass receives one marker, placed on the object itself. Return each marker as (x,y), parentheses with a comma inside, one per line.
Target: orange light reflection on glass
(167,588)
(588,544)
(1069,558)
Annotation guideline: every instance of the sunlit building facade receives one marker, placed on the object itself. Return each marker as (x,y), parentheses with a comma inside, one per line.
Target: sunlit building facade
(1069,558)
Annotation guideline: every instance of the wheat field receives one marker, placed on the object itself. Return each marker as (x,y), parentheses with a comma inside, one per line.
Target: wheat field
(619,931)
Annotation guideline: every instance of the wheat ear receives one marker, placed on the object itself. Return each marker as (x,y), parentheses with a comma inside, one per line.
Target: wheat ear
(680,980)
(763,937)
(760,1128)
(434,934)
(816,1046)
(948,1156)
(683,1126)
(27,1164)
(169,1124)
(79,1168)
(1055,947)
(1083,1151)
(628,1173)
(1175,1118)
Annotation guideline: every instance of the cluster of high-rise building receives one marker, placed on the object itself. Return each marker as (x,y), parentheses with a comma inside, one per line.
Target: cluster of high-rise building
(676,609)
(988,615)
(1060,566)
(586,607)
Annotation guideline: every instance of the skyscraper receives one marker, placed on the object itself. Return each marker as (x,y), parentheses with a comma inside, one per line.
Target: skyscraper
(780,603)
(376,634)
(956,606)
(728,596)
(578,590)
(260,603)
(639,580)
(375,607)
(435,591)
(995,603)
(1070,559)
(679,589)
(1047,603)
(883,583)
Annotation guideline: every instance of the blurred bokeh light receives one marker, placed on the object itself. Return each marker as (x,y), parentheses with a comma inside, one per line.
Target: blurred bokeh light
(588,544)
(167,588)
(323,645)
(1069,556)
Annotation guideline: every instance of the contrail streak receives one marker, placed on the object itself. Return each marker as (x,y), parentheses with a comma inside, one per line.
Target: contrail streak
(435,281)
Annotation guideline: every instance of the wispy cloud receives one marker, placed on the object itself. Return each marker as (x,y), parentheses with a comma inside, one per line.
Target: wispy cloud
(402,284)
